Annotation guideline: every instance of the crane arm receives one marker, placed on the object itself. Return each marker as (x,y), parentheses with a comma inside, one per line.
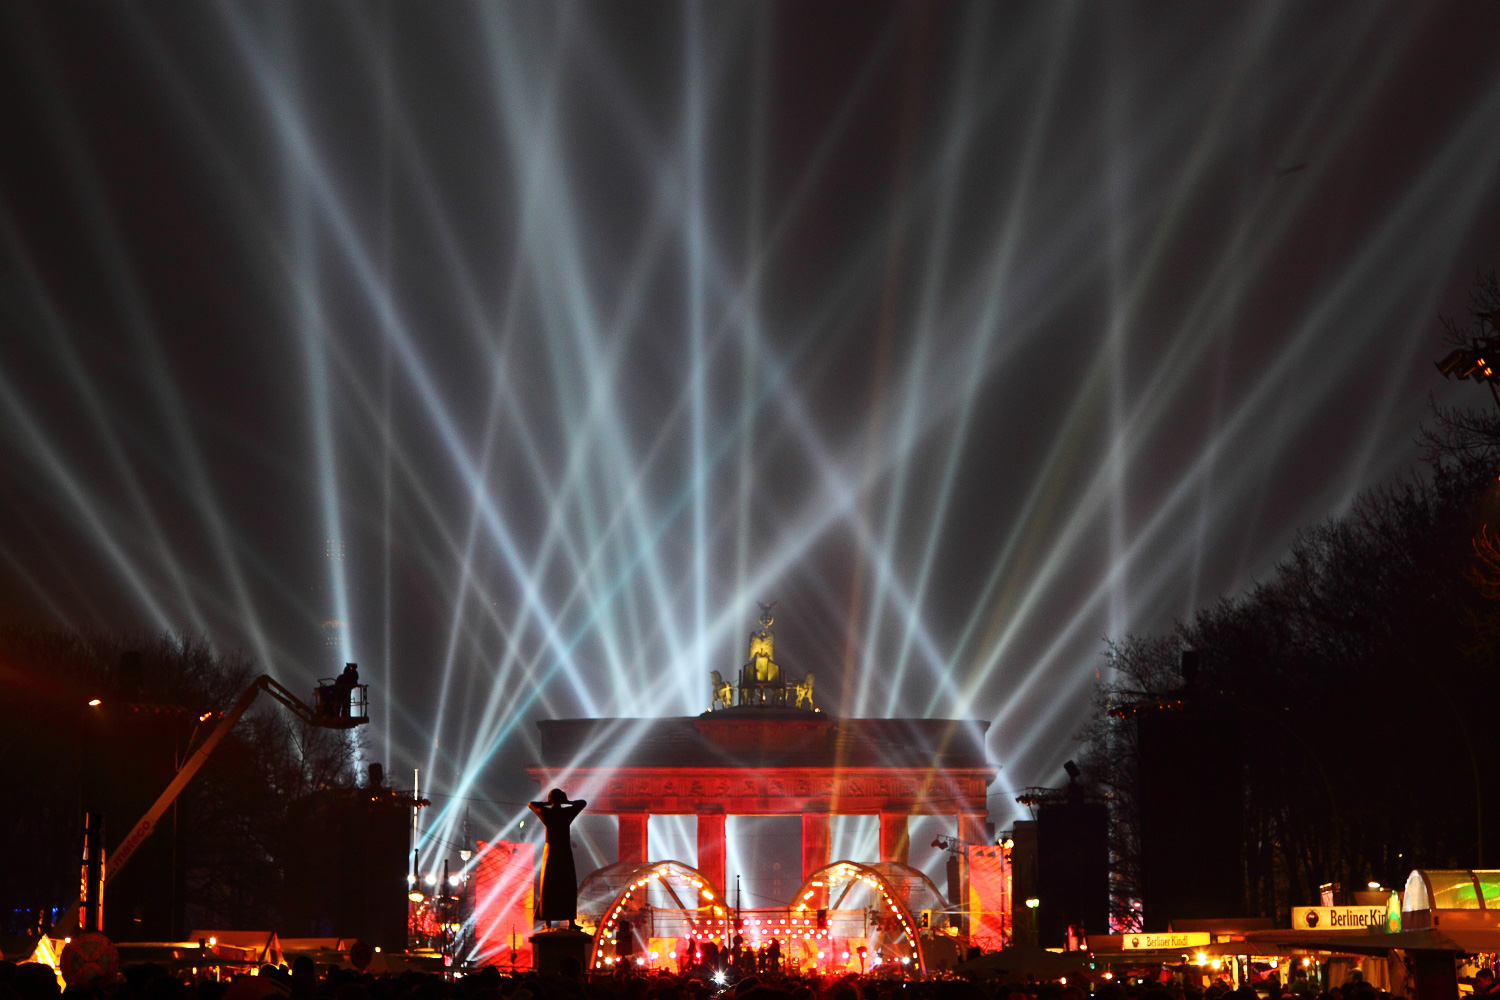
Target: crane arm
(147,823)
(292,703)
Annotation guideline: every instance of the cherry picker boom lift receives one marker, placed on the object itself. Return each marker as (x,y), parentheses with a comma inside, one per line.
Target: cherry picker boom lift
(338,706)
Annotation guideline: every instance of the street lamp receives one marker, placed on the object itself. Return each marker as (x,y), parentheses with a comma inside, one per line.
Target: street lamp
(1479,360)
(1465,363)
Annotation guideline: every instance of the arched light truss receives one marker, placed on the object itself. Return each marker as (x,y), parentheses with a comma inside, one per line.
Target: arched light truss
(882,897)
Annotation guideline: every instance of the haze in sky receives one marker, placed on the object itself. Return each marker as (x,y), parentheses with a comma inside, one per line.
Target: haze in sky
(515,350)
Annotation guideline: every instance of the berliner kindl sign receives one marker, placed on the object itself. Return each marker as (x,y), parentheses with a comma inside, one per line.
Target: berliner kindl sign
(1189,939)
(1338,918)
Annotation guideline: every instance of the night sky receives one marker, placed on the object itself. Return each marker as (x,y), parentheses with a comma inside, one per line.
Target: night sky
(533,343)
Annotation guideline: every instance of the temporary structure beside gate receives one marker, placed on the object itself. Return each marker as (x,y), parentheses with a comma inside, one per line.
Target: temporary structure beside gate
(1443,914)
(1464,899)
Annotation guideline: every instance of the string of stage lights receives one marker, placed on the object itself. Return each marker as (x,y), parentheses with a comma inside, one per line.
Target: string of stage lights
(574,336)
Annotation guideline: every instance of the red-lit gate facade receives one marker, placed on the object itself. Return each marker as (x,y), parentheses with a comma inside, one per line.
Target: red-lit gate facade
(771,761)
(767,762)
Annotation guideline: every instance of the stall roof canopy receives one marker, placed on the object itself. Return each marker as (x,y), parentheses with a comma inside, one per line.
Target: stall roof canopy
(1463,889)
(1469,941)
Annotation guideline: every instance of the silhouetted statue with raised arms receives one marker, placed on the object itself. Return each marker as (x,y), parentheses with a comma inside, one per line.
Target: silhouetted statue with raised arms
(559,889)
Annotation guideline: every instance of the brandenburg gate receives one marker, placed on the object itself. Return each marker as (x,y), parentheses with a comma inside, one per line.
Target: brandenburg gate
(763,749)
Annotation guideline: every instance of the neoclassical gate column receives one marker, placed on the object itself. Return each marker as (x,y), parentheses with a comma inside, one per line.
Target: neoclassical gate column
(817,842)
(711,848)
(971,827)
(632,836)
(895,842)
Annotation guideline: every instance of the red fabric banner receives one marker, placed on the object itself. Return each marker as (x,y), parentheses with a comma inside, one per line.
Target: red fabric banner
(504,874)
(989,897)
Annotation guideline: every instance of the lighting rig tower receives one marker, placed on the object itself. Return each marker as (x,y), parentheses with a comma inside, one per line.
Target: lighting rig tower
(1072,861)
(958,880)
(1190,745)
(958,864)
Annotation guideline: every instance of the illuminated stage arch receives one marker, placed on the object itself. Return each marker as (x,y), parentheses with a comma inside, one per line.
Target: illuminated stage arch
(662,899)
(886,896)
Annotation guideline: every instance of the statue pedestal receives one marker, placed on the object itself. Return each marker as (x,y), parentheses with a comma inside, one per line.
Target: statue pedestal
(562,951)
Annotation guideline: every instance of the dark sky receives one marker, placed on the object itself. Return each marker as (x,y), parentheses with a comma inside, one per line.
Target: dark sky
(534,342)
